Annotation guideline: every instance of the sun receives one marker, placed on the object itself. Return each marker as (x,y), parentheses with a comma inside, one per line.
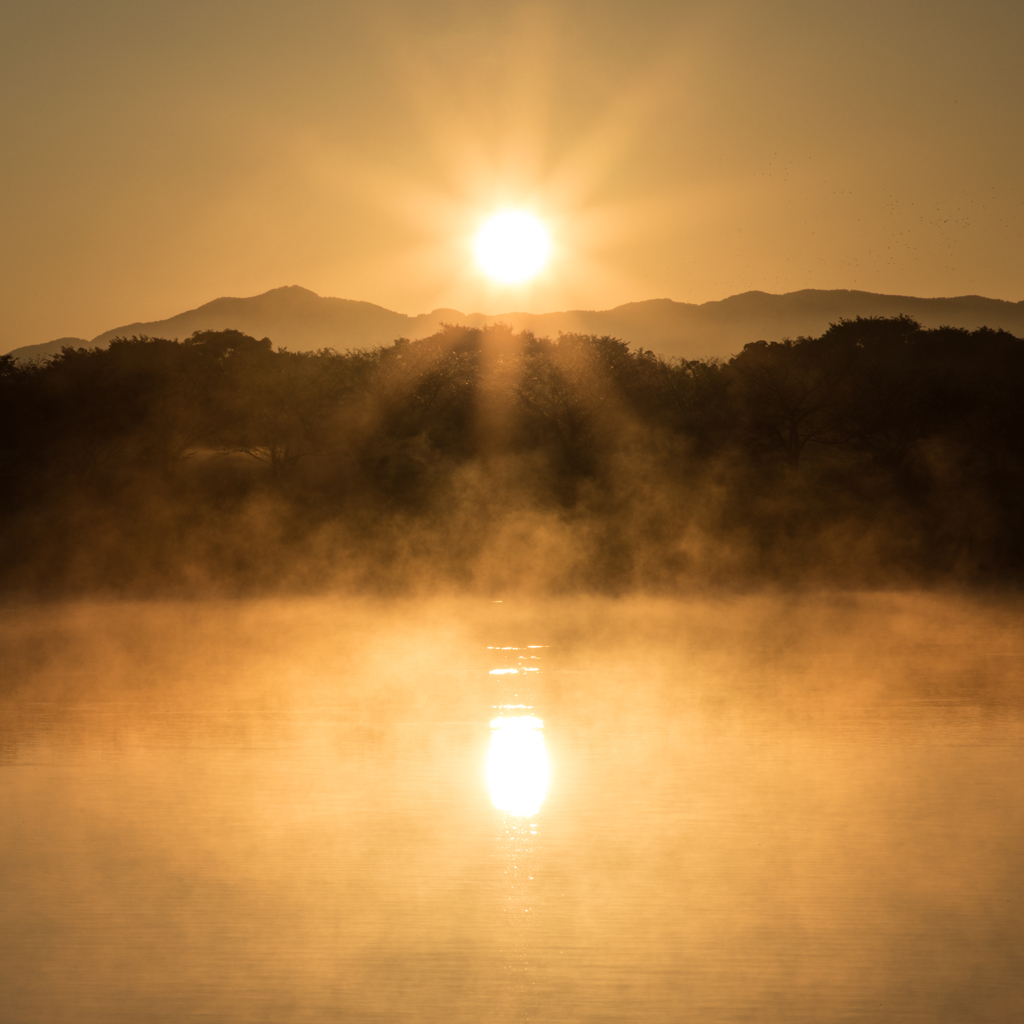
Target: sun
(512,246)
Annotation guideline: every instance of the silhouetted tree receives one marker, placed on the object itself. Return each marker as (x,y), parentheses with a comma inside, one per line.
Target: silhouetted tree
(790,394)
(918,427)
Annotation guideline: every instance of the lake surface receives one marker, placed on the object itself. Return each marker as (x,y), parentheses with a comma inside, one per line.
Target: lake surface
(772,809)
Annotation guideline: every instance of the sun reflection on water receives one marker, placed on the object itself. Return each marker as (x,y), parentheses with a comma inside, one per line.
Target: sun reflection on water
(517,765)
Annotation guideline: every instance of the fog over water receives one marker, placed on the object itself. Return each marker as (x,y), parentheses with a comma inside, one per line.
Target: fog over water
(768,808)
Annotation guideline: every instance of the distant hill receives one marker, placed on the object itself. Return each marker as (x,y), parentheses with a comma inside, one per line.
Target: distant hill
(48,348)
(301,320)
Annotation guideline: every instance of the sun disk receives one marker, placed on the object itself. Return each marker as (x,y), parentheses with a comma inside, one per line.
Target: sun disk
(512,246)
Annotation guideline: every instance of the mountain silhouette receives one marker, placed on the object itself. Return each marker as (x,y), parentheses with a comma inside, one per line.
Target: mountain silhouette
(300,320)
(48,348)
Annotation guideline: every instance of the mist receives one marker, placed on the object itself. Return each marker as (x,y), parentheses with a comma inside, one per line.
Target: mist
(791,806)
(655,658)
(486,461)
(495,677)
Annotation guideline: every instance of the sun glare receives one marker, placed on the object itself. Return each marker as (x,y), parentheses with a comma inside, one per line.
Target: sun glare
(512,246)
(517,766)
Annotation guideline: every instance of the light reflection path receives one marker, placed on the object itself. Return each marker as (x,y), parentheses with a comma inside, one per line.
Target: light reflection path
(517,765)
(518,772)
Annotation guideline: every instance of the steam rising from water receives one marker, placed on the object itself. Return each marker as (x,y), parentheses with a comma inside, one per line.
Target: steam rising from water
(796,808)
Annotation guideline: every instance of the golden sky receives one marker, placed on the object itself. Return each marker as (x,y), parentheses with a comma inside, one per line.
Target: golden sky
(159,154)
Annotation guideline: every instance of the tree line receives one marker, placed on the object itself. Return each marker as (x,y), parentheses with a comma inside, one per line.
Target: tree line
(879,452)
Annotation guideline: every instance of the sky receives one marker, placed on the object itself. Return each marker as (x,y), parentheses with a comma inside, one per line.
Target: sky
(158,155)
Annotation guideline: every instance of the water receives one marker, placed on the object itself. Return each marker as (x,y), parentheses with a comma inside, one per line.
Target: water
(763,809)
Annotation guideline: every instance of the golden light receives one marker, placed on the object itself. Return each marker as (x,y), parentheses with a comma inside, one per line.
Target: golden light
(517,765)
(512,246)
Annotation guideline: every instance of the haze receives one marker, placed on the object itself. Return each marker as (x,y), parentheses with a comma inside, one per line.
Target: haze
(158,155)
(799,811)
(417,611)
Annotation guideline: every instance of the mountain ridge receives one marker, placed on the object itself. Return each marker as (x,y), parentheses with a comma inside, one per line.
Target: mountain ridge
(301,320)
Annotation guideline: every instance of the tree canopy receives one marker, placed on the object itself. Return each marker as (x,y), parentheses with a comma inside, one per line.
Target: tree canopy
(878,452)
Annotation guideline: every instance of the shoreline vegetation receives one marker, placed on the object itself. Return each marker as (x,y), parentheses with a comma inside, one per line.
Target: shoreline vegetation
(880,454)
